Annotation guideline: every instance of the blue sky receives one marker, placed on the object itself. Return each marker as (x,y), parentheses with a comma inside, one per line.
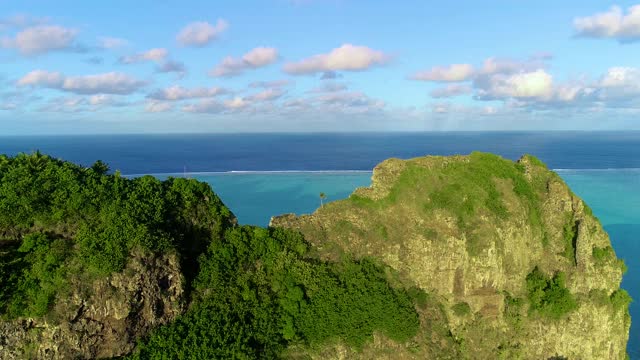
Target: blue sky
(71,67)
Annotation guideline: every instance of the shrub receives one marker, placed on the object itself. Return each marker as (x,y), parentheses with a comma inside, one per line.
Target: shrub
(257,292)
(548,296)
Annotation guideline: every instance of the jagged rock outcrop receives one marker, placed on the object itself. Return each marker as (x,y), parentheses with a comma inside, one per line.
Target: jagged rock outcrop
(104,319)
(469,230)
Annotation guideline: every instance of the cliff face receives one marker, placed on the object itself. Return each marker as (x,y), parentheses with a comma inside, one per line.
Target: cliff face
(104,319)
(471,231)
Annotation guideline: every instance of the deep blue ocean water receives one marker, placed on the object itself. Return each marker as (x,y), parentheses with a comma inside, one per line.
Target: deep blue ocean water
(258,176)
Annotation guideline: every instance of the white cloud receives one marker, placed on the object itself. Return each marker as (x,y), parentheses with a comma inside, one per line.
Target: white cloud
(41,39)
(157,106)
(106,83)
(209,106)
(354,101)
(535,84)
(267,95)
(201,33)
(109,43)
(236,103)
(611,24)
(256,58)
(451,90)
(621,77)
(345,58)
(495,65)
(42,78)
(451,73)
(176,93)
(157,55)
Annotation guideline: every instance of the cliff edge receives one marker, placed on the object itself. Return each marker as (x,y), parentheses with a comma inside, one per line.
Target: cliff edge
(517,263)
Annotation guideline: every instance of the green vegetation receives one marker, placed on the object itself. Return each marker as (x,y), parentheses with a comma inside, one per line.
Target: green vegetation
(42,275)
(267,293)
(620,299)
(461,309)
(602,254)
(466,189)
(513,311)
(257,292)
(252,291)
(549,297)
(62,221)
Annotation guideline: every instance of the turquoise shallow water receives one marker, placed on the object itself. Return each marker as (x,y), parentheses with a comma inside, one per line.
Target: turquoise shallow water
(614,196)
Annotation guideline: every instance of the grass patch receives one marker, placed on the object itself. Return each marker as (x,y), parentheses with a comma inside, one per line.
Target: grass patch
(602,254)
(461,309)
(620,299)
(464,188)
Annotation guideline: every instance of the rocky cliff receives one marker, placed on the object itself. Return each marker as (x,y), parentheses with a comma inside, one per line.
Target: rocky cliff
(516,265)
(104,319)
(91,262)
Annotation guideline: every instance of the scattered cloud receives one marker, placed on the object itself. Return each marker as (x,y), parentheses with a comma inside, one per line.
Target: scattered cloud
(42,39)
(270,84)
(171,66)
(236,103)
(329,86)
(451,73)
(71,104)
(106,83)
(267,95)
(109,43)
(256,58)
(176,93)
(614,23)
(200,33)
(156,55)
(494,65)
(157,106)
(345,58)
(451,90)
(206,106)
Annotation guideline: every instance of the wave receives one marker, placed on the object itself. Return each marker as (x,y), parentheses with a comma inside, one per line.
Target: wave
(599,170)
(253,172)
(269,172)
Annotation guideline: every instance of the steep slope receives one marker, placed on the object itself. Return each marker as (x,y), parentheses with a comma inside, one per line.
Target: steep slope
(516,262)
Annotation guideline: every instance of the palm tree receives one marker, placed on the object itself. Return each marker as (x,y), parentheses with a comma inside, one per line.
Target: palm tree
(322,197)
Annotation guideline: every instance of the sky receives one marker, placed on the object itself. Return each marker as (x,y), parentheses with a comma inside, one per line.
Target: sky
(108,67)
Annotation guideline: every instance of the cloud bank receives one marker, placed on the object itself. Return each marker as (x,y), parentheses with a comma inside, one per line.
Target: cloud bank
(106,83)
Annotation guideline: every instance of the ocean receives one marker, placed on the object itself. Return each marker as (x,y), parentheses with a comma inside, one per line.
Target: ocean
(260,175)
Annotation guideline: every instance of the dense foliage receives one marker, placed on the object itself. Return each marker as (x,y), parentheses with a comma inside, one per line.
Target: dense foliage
(59,220)
(253,290)
(549,296)
(257,292)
